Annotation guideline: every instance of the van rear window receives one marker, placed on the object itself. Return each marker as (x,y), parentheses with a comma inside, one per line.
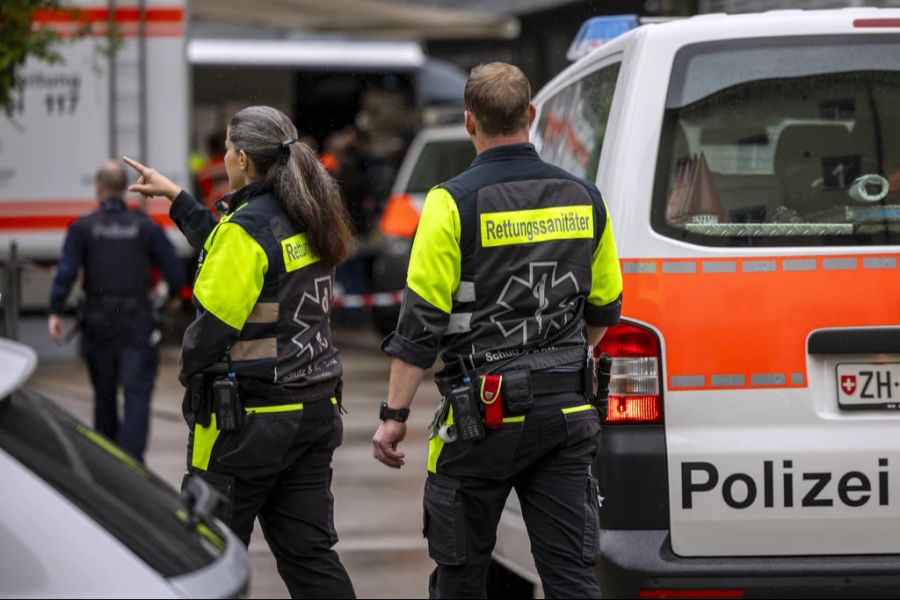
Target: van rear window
(782,141)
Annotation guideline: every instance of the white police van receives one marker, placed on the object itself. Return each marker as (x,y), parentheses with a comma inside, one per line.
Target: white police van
(751,165)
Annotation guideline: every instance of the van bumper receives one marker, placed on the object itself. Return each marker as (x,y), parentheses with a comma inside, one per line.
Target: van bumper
(641,563)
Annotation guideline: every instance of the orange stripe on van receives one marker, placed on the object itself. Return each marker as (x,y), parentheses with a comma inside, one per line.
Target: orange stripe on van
(49,214)
(99,14)
(158,21)
(745,321)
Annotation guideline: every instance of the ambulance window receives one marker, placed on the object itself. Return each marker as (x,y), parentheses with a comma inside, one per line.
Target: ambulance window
(572,124)
(782,141)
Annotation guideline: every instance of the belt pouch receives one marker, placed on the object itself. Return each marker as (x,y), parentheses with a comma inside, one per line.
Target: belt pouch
(517,392)
(491,397)
(195,407)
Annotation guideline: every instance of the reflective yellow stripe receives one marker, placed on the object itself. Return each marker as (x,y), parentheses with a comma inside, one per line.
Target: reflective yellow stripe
(204,439)
(274,408)
(110,447)
(297,252)
(203,530)
(573,409)
(232,274)
(435,258)
(210,535)
(279,407)
(436,444)
(537,225)
(606,274)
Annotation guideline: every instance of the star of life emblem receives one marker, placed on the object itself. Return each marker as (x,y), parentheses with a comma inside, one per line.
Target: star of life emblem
(322,297)
(542,290)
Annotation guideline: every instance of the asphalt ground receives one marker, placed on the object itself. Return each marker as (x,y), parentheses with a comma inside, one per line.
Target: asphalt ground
(378,511)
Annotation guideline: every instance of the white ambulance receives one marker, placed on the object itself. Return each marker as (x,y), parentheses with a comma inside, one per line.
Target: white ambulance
(751,165)
(121,88)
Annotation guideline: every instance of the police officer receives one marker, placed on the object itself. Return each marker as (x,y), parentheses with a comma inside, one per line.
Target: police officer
(116,247)
(513,275)
(263,377)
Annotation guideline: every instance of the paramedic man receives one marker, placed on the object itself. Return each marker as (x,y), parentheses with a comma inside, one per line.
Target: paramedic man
(513,272)
(116,247)
(263,293)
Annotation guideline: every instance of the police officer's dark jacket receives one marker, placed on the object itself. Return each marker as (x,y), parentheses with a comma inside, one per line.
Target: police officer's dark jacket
(116,247)
(262,295)
(506,256)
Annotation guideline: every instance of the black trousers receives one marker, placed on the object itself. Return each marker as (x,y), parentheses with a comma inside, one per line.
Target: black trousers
(547,458)
(119,353)
(278,467)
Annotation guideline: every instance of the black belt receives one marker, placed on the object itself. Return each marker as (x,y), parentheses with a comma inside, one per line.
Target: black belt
(547,384)
(119,303)
(260,393)
(542,383)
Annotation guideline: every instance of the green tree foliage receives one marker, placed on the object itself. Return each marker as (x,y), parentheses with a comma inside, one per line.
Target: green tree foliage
(19,39)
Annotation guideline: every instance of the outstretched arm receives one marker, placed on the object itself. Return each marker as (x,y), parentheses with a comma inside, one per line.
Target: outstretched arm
(193,219)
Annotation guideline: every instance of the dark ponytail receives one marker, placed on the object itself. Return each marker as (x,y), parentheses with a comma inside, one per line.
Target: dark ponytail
(306,192)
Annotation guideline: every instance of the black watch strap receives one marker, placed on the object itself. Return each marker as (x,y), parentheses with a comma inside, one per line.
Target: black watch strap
(396,414)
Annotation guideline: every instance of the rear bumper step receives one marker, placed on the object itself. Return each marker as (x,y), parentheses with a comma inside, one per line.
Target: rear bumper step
(881,340)
(631,561)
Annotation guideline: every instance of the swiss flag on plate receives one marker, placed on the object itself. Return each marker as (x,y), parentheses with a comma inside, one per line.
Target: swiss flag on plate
(848,384)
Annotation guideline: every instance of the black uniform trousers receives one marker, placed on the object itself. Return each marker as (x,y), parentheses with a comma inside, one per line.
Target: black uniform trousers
(119,351)
(547,458)
(277,467)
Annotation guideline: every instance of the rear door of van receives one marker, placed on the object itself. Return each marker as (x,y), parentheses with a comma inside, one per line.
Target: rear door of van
(764,255)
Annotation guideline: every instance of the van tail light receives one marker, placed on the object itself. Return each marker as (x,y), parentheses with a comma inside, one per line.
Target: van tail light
(400,217)
(635,383)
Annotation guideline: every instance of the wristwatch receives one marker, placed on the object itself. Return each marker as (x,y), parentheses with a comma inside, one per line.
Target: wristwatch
(396,414)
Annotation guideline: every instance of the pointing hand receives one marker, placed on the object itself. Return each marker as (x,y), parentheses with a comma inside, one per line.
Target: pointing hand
(151,182)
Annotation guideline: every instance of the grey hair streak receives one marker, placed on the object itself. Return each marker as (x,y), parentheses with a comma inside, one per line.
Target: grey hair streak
(304,190)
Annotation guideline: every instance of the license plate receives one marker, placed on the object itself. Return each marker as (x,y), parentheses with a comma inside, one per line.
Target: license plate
(868,385)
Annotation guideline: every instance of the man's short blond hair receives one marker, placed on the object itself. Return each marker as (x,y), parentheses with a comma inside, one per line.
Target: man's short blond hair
(498,95)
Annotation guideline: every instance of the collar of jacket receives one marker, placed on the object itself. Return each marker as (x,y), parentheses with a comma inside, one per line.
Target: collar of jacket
(245,194)
(507,152)
(112,204)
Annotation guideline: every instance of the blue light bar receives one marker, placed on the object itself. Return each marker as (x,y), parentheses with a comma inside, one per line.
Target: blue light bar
(599,30)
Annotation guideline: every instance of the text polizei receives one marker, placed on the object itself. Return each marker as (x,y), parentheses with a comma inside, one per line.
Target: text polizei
(796,489)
